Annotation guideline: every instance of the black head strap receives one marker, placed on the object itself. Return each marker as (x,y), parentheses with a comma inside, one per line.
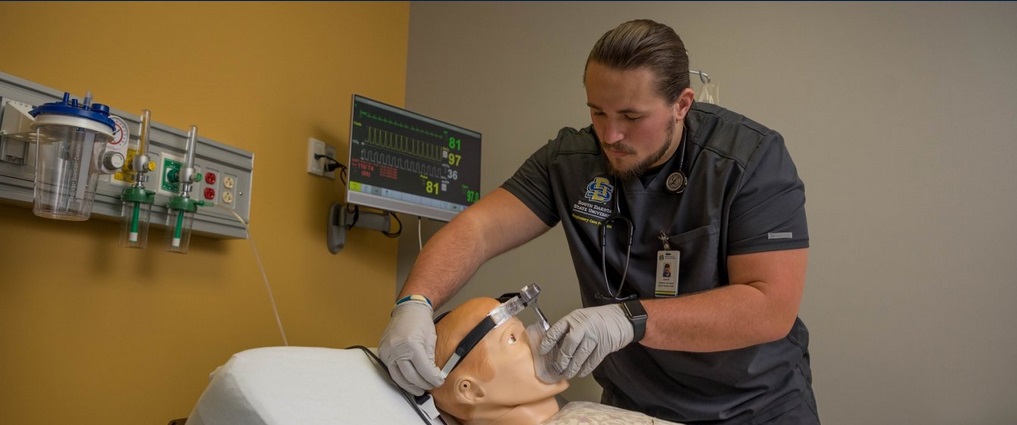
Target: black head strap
(476,334)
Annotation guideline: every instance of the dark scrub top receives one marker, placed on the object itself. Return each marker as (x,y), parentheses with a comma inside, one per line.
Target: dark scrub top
(743,196)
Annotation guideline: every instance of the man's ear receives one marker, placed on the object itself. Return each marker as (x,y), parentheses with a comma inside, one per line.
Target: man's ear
(469,391)
(684,103)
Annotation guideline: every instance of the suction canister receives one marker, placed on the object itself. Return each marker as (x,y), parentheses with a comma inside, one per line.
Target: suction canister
(70,137)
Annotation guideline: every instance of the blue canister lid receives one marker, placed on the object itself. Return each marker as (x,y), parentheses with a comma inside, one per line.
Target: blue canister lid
(70,107)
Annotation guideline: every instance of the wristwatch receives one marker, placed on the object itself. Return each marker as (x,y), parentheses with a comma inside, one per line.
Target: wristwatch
(636,314)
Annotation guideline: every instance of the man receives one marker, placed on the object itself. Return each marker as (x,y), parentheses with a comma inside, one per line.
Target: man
(656,180)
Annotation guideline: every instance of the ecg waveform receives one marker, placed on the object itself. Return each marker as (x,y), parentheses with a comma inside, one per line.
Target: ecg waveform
(406,145)
(367,114)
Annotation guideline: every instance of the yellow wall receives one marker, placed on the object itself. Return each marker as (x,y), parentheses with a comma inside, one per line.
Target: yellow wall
(92,333)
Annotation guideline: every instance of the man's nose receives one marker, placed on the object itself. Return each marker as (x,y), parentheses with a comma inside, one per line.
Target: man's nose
(613,133)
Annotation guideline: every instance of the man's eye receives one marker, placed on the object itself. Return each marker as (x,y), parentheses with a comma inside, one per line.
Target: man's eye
(632,118)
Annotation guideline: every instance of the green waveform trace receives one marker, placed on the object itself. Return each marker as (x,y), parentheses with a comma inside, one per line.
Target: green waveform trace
(367,114)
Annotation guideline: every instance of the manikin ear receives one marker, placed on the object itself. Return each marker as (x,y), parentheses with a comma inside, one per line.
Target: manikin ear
(469,392)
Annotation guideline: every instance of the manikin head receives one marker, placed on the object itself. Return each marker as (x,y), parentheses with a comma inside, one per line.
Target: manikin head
(495,383)
(638,92)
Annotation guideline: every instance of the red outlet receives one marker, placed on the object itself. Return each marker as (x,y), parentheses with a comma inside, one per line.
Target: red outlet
(210,178)
(209,192)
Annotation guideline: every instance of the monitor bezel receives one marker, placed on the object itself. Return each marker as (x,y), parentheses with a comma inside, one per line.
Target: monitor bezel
(394,205)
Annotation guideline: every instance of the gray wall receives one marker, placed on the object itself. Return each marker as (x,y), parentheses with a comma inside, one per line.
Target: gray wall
(901,119)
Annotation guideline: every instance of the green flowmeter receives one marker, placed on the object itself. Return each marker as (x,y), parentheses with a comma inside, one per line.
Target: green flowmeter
(136,212)
(181,208)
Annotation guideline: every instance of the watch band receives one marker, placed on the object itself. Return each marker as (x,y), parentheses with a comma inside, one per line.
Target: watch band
(636,314)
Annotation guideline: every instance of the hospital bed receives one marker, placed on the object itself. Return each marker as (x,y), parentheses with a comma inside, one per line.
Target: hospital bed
(305,386)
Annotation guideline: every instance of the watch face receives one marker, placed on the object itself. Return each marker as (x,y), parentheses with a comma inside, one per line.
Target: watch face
(636,314)
(634,310)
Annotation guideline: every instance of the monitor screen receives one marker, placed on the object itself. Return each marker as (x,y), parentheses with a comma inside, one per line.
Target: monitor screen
(405,162)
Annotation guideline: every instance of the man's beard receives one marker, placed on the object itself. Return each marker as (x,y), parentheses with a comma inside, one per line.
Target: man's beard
(645,164)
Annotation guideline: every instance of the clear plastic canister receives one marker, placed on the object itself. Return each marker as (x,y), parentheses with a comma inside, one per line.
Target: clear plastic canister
(135,217)
(70,140)
(178,230)
(179,218)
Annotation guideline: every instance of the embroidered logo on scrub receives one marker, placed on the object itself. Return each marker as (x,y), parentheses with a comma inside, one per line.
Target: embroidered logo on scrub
(595,207)
(599,190)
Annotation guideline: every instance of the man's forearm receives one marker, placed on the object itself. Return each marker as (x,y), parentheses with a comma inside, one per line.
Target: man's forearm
(495,224)
(445,264)
(759,306)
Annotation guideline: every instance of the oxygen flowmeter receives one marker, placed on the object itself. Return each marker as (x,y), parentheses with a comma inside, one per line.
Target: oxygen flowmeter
(72,141)
(136,212)
(181,208)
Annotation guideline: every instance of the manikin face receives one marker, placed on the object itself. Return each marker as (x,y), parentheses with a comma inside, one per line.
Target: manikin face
(638,129)
(515,380)
(498,375)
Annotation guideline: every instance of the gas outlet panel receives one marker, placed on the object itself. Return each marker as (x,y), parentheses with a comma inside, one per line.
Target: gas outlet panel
(224,172)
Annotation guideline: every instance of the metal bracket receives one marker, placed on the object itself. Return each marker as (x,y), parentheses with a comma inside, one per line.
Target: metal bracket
(341,219)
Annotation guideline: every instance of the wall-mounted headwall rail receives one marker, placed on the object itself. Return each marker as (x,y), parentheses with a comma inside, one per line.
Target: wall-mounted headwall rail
(225,171)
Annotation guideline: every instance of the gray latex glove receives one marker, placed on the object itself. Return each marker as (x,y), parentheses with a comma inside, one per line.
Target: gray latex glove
(407,348)
(585,337)
(541,362)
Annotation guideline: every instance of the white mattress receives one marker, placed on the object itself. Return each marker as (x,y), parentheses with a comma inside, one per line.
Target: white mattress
(301,385)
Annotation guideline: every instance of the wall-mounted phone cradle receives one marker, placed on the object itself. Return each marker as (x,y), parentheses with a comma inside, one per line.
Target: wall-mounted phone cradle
(341,219)
(225,171)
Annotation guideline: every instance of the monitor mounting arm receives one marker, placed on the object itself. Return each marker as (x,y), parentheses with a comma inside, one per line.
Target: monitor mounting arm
(341,219)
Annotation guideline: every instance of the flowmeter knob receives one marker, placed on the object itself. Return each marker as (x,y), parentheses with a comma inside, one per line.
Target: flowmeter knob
(112,161)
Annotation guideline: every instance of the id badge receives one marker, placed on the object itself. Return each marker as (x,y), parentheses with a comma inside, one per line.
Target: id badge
(667,273)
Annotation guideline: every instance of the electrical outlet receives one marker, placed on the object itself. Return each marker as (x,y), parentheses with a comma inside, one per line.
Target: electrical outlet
(330,151)
(315,147)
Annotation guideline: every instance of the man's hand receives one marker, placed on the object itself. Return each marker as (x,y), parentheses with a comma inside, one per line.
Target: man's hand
(407,348)
(585,337)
